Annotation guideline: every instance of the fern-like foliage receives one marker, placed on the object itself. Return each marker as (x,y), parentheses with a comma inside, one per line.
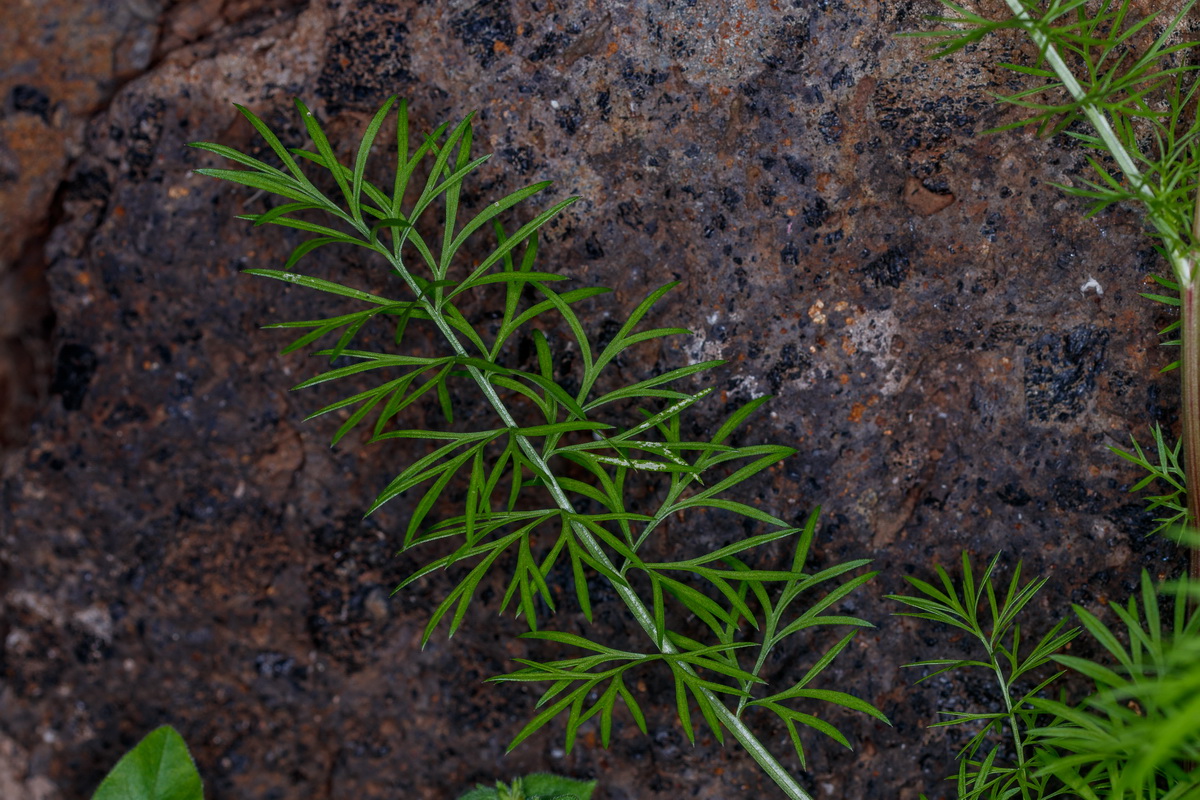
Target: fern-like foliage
(538,786)
(1135,736)
(998,759)
(1138,734)
(1165,469)
(547,485)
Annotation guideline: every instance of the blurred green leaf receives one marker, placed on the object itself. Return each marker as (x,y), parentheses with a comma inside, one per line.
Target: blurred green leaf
(159,767)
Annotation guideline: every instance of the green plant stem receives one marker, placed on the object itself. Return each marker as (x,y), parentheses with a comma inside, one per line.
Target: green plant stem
(1182,263)
(637,608)
(1008,709)
(1190,376)
(769,626)
(1189,339)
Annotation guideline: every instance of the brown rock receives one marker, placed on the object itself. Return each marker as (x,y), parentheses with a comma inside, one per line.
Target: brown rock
(922,201)
(176,546)
(62,59)
(15,781)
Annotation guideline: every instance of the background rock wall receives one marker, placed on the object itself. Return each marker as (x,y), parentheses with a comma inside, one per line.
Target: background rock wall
(177,546)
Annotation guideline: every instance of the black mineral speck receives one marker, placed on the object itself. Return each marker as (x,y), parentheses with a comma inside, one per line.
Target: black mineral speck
(592,248)
(551,43)
(521,158)
(889,269)
(1061,370)
(30,100)
(796,169)
(481,26)
(716,223)
(1013,495)
(815,213)
(73,372)
(791,364)
(569,117)
(604,104)
(790,254)
(1071,494)
(830,125)
(144,137)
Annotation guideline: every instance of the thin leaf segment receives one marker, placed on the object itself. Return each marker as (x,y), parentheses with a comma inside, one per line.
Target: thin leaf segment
(570,454)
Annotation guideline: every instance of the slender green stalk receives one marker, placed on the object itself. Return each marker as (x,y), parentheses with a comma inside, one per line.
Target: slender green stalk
(768,634)
(1190,377)
(1008,709)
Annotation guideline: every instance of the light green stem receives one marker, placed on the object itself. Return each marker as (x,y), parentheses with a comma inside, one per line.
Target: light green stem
(1190,377)
(1008,708)
(637,608)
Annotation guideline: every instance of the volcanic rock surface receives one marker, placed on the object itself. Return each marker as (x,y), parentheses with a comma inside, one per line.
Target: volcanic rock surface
(178,546)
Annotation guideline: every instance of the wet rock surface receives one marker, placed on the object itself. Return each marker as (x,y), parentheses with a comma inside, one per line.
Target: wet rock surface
(178,546)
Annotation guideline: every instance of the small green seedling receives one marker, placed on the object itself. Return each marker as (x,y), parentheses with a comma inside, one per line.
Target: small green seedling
(538,786)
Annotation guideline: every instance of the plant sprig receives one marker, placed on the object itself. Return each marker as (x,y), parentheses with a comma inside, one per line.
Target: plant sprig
(1136,736)
(538,786)
(1167,470)
(548,484)
(975,607)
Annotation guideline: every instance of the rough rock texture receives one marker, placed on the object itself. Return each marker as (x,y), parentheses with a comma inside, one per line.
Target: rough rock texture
(62,61)
(177,546)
